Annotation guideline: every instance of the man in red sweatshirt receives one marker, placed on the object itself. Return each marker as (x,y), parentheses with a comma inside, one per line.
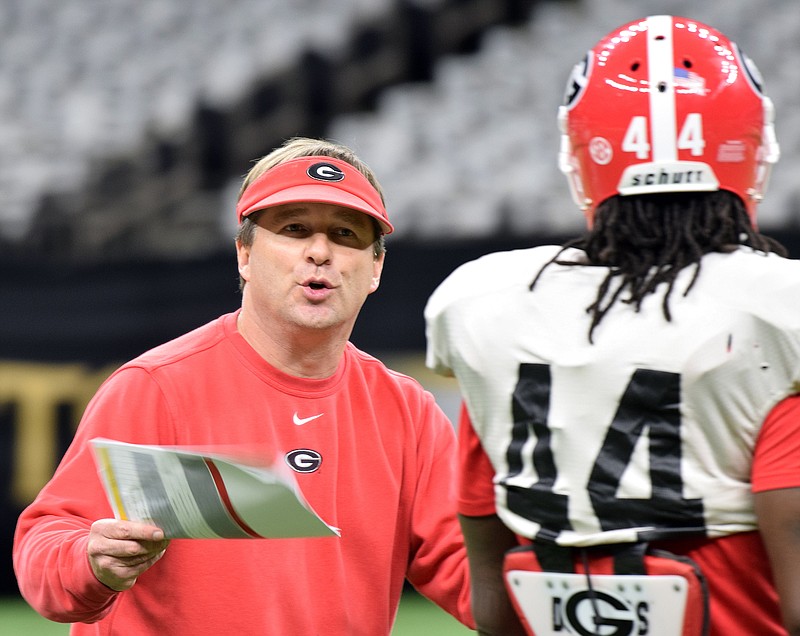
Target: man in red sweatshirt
(373,454)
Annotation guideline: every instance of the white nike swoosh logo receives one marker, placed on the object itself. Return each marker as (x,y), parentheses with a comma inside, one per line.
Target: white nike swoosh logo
(299,421)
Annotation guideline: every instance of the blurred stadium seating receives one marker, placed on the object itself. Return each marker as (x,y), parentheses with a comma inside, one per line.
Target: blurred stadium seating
(126,125)
(124,120)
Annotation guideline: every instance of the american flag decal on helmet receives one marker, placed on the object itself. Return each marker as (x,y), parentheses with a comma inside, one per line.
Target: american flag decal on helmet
(687,81)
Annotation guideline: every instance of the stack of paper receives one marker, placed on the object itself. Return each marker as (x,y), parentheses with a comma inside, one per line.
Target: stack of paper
(192,494)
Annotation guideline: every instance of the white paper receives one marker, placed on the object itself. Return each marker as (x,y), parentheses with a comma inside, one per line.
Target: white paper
(198,495)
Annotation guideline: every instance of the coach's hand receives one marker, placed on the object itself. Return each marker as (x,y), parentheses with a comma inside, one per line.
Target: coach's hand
(119,551)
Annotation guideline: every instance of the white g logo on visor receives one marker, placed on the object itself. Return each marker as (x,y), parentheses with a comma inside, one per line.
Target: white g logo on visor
(325,172)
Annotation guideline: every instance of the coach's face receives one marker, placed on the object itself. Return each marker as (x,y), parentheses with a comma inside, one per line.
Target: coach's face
(311,265)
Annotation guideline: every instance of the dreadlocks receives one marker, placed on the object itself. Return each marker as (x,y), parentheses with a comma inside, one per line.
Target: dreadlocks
(645,241)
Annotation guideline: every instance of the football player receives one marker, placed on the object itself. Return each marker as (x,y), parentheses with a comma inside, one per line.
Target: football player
(630,408)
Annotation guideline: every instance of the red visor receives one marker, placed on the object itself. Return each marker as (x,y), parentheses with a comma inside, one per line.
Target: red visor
(314,180)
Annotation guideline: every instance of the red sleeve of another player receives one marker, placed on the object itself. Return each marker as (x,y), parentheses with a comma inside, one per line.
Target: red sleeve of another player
(476,489)
(776,461)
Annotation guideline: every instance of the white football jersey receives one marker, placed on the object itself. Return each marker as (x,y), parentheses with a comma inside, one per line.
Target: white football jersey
(649,432)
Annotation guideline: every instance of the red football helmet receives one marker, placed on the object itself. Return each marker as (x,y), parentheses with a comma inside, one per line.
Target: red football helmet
(666,104)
